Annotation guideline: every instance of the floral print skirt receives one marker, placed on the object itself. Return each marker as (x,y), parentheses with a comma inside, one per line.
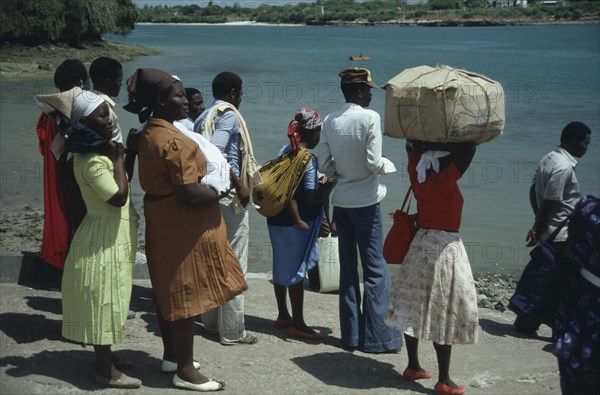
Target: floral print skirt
(432,296)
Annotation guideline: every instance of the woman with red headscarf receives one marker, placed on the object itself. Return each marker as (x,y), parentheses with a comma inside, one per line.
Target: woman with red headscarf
(295,249)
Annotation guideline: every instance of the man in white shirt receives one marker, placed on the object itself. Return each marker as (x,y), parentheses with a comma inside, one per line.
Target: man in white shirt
(553,196)
(350,150)
(555,190)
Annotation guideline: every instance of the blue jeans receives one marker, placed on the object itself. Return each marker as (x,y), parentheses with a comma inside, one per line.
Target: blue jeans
(364,328)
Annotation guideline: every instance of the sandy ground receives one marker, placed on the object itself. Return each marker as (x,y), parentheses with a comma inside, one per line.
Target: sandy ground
(34,359)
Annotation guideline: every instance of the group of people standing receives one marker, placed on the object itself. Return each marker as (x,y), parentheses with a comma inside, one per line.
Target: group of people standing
(192,264)
(197,169)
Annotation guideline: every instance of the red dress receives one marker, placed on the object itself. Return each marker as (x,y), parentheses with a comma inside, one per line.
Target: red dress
(55,241)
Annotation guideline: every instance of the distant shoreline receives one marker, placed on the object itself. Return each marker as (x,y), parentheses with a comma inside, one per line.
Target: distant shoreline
(396,23)
(237,23)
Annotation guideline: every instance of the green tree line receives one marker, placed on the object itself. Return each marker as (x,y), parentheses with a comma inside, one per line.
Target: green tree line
(325,11)
(35,22)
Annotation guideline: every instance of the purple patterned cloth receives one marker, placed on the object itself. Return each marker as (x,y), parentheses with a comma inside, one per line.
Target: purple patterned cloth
(578,323)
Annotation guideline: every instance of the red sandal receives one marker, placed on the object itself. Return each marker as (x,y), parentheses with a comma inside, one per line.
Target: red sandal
(298,334)
(444,389)
(412,375)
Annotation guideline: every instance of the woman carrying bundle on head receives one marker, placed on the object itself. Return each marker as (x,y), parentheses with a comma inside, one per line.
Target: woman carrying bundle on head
(432,296)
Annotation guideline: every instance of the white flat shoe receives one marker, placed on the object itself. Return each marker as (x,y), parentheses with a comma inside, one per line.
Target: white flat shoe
(210,385)
(171,367)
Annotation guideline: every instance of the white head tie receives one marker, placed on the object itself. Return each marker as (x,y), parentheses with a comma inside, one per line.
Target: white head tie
(84,104)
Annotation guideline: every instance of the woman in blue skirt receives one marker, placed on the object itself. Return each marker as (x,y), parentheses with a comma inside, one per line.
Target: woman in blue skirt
(295,249)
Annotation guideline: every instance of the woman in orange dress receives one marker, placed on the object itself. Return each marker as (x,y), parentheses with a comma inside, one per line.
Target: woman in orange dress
(191,264)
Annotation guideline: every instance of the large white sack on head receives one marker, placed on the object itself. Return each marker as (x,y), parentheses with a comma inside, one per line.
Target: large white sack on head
(442,104)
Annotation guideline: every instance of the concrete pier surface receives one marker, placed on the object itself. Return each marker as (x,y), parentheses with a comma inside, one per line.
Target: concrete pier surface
(35,359)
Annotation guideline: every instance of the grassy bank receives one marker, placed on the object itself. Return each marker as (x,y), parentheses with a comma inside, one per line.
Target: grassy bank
(21,61)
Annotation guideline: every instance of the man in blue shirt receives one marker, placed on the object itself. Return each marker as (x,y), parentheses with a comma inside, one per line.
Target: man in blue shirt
(223,125)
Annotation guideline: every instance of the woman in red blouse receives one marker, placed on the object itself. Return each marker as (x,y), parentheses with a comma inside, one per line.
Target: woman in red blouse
(433,295)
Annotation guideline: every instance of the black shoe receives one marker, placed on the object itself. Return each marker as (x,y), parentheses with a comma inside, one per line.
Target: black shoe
(526,325)
(348,348)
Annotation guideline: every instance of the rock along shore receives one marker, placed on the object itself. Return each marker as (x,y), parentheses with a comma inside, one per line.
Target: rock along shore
(22,61)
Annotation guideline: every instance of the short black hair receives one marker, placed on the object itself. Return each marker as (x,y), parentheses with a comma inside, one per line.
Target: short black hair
(224,82)
(104,68)
(349,90)
(69,74)
(574,131)
(189,92)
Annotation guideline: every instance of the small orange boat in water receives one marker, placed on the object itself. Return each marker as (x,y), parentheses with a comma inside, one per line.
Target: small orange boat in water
(360,57)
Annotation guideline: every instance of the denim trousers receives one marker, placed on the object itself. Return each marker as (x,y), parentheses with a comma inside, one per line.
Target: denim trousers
(364,326)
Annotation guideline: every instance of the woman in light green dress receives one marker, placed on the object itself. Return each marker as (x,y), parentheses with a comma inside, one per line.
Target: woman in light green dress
(96,285)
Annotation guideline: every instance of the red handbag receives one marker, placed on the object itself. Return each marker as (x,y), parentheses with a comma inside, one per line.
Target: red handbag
(401,234)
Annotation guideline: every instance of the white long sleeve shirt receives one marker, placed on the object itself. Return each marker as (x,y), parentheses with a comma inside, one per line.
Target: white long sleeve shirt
(350,149)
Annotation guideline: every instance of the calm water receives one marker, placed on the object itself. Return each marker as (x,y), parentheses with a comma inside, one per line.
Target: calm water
(551,76)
